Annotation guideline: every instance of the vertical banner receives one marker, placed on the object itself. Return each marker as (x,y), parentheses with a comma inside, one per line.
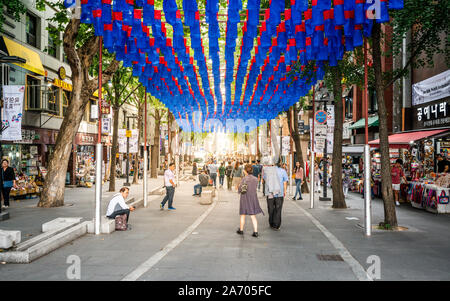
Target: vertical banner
(122,137)
(106,125)
(12,112)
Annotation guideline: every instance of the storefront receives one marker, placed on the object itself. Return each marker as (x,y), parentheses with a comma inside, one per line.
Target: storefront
(29,157)
(418,150)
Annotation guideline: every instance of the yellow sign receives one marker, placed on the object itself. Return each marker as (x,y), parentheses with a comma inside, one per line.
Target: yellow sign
(128,134)
(62,84)
(62,73)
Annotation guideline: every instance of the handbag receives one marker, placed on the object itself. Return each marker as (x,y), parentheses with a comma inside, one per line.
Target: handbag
(121,222)
(244,187)
(443,199)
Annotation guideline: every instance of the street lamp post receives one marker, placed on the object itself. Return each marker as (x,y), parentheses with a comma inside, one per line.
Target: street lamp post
(367,193)
(127,183)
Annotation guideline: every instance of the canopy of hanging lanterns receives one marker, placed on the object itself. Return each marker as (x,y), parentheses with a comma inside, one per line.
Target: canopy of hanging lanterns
(137,33)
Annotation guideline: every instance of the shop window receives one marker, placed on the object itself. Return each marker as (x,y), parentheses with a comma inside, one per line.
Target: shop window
(31,29)
(53,100)
(33,89)
(373,105)
(348,103)
(51,46)
(67,96)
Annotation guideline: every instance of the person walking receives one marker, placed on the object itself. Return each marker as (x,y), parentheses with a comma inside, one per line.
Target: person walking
(221,174)
(7,181)
(169,183)
(397,175)
(213,172)
(276,180)
(118,206)
(316,178)
(237,175)
(299,176)
(249,203)
(346,179)
(229,174)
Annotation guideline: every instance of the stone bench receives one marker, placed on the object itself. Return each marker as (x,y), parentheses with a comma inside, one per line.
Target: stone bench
(60,222)
(107,226)
(210,188)
(206,198)
(9,238)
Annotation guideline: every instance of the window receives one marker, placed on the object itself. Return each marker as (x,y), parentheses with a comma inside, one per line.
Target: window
(4,76)
(51,48)
(53,100)
(66,95)
(33,89)
(31,30)
(373,105)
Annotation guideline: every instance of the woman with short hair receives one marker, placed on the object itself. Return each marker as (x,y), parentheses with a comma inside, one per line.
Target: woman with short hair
(249,203)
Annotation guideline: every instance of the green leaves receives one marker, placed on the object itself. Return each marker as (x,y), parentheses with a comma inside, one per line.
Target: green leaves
(15,8)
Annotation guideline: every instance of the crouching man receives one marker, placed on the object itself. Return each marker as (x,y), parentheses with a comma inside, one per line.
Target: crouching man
(117,205)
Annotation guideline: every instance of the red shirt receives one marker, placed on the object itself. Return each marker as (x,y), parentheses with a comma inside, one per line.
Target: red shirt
(396,174)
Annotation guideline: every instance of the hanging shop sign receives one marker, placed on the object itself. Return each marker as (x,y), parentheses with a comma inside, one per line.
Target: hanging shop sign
(301,126)
(433,88)
(106,125)
(286,145)
(12,112)
(433,115)
(330,115)
(346,130)
(106,108)
(133,142)
(85,139)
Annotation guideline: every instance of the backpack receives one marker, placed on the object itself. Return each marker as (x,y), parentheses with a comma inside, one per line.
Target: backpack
(121,222)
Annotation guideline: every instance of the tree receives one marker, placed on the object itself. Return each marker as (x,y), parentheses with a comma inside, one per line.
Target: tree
(80,46)
(390,216)
(295,136)
(123,84)
(157,111)
(13,7)
(139,101)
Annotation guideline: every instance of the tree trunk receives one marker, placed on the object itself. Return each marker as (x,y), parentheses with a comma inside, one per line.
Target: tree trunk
(80,61)
(155,146)
(390,216)
(114,148)
(293,128)
(338,194)
(136,160)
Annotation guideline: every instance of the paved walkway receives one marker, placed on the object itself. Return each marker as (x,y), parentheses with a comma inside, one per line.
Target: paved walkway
(198,242)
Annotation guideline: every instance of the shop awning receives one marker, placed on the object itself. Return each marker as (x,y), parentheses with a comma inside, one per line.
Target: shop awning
(353,149)
(402,140)
(33,60)
(373,121)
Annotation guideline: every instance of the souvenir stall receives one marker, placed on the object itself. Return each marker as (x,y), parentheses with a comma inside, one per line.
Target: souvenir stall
(425,189)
